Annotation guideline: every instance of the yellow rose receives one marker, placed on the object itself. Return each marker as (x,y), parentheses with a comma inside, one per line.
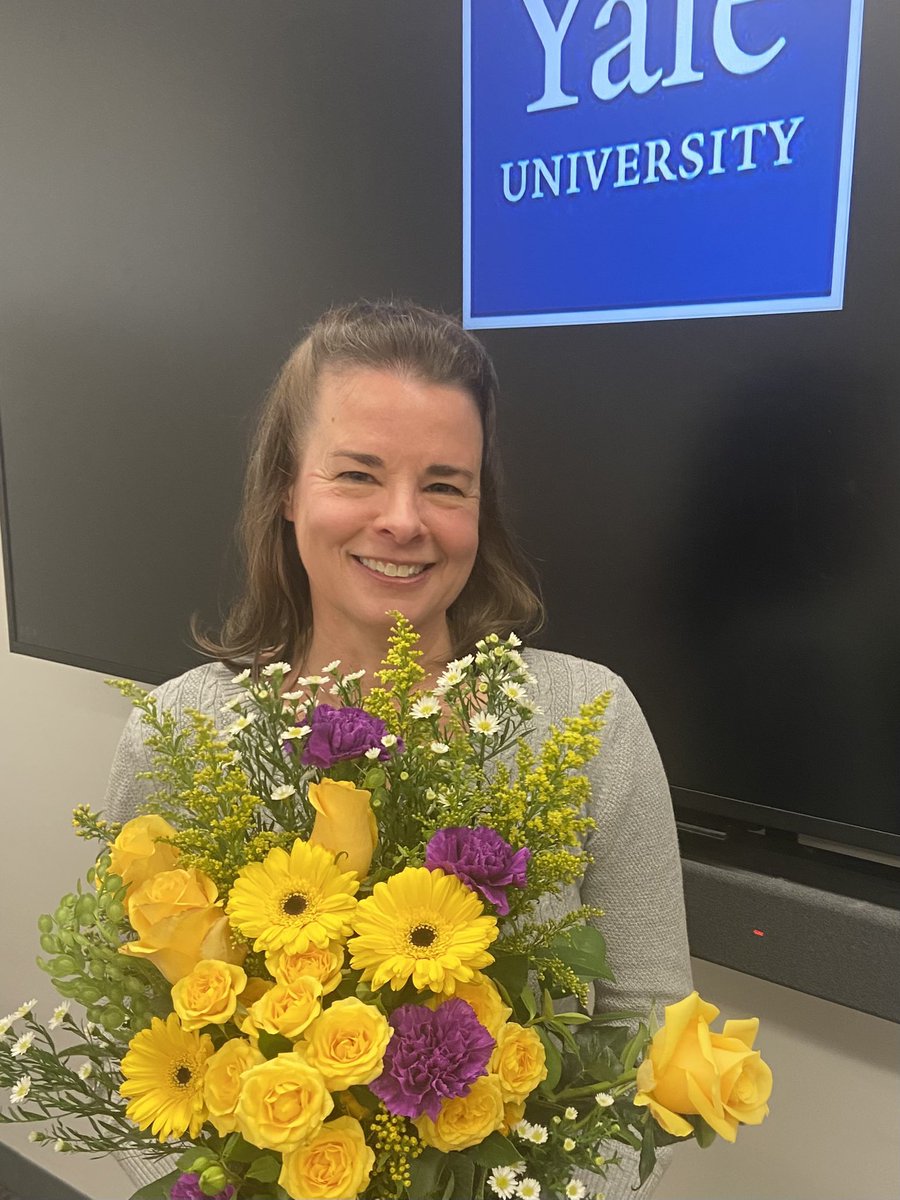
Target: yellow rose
(137,853)
(255,989)
(690,1070)
(347,1043)
(482,997)
(222,1081)
(282,1104)
(208,996)
(178,924)
(344,824)
(467,1120)
(285,1010)
(520,1061)
(334,1165)
(322,962)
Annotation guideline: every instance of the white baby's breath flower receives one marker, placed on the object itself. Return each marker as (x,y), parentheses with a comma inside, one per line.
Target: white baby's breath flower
(389,739)
(20,1090)
(85,1071)
(503,1182)
(529,1189)
(22,1045)
(24,1009)
(571,1113)
(372,753)
(242,677)
(569,1144)
(439,748)
(427,706)
(604,1099)
(295,731)
(575,1190)
(284,792)
(276,668)
(332,667)
(485,723)
(58,1015)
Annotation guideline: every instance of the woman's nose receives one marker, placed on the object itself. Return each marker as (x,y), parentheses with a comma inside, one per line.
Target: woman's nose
(401,514)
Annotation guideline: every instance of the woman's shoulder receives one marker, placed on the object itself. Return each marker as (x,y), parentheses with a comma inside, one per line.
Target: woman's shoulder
(579,679)
(204,688)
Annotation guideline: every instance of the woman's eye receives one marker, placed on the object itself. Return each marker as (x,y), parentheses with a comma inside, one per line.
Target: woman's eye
(444,489)
(356,476)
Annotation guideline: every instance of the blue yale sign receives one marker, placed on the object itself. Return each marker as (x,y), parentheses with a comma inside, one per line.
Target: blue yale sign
(642,159)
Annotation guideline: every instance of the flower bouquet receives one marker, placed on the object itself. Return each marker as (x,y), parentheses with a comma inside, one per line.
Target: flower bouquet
(319,963)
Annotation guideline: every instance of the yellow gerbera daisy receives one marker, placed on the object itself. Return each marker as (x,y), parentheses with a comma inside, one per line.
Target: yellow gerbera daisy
(163,1072)
(421,925)
(293,901)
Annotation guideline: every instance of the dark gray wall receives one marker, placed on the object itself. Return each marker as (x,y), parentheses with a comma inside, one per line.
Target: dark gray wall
(713,504)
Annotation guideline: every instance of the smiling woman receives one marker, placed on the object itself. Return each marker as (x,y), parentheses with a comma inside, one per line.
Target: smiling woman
(372,487)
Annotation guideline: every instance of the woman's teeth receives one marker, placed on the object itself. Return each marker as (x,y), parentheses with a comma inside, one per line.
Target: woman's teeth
(389,568)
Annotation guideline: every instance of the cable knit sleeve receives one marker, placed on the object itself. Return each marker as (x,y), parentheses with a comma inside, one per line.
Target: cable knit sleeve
(635,875)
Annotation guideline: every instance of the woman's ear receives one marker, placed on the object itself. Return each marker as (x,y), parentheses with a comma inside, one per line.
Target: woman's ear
(287,505)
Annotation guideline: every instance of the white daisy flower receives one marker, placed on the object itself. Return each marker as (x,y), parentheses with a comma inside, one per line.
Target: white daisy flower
(556,1120)
(331,667)
(428,706)
(537,1134)
(61,1146)
(571,1113)
(440,748)
(485,723)
(316,680)
(5,1024)
(529,1189)
(240,723)
(242,677)
(461,664)
(514,692)
(21,1047)
(20,1090)
(452,677)
(35,1135)
(58,1015)
(232,705)
(604,1099)
(575,1190)
(295,731)
(284,792)
(503,1182)
(354,675)
(372,753)
(85,1071)
(481,658)
(24,1009)
(292,695)
(512,640)
(276,668)
(569,1144)
(389,739)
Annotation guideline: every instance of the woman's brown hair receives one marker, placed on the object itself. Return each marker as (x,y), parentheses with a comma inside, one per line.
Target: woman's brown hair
(273,615)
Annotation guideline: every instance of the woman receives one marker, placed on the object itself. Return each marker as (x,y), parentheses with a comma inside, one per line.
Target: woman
(372,487)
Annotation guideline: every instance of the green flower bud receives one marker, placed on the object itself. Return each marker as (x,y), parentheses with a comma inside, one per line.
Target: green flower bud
(87,993)
(98,968)
(45,923)
(95,1013)
(134,987)
(212,1180)
(63,965)
(66,987)
(113,1017)
(115,912)
(63,917)
(85,909)
(199,1165)
(115,992)
(50,944)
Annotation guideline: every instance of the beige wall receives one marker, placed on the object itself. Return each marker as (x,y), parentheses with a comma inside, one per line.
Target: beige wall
(833,1132)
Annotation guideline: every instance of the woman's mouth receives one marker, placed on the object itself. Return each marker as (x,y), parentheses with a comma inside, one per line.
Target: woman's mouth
(394,570)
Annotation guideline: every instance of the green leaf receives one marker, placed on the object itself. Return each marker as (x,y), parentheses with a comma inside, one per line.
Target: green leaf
(554,1058)
(238,1150)
(705,1134)
(511,970)
(634,1047)
(157,1189)
(425,1171)
(647,1161)
(463,1177)
(584,950)
(266,1168)
(273,1044)
(495,1151)
(527,997)
(572,1018)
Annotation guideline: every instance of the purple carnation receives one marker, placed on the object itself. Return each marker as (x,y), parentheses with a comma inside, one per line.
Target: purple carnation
(187,1187)
(481,859)
(340,733)
(433,1056)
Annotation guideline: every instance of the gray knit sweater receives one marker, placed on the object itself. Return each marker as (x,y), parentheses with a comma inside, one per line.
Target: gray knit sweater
(635,876)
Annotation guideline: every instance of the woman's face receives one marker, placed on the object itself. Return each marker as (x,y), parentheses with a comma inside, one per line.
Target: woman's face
(385,503)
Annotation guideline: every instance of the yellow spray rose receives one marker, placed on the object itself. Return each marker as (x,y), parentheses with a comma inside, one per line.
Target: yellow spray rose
(322,962)
(690,1070)
(137,853)
(335,1164)
(347,1043)
(178,923)
(285,1010)
(283,1103)
(344,824)
(208,995)
(485,1001)
(222,1081)
(467,1120)
(519,1060)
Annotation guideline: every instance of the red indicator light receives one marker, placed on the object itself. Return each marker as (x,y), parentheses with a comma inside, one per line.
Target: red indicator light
(759,933)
